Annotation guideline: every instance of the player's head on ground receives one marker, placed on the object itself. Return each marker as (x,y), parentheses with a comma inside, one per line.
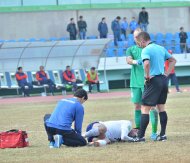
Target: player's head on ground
(136,33)
(19,69)
(133,133)
(82,95)
(143,39)
(95,131)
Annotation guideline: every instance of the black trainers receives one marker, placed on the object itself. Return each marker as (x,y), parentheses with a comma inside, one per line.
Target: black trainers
(161,138)
(137,139)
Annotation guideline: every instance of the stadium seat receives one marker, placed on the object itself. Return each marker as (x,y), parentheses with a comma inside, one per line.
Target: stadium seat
(11,81)
(3,82)
(63,38)
(21,40)
(152,37)
(130,43)
(130,36)
(111,44)
(111,52)
(177,49)
(176,35)
(92,37)
(2,41)
(123,37)
(169,36)
(42,40)
(10,41)
(32,39)
(120,52)
(159,36)
(53,39)
(121,44)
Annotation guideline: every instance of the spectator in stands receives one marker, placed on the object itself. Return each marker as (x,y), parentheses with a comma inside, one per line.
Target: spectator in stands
(124,27)
(133,25)
(143,19)
(69,78)
(71,28)
(92,78)
(183,37)
(82,28)
(172,75)
(103,28)
(116,28)
(22,82)
(42,78)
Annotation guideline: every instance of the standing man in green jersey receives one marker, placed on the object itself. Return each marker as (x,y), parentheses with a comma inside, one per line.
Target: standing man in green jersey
(137,85)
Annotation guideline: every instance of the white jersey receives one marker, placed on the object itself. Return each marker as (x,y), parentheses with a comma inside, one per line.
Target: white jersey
(117,130)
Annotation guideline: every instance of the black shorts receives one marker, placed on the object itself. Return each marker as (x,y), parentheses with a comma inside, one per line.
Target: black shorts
(155,91)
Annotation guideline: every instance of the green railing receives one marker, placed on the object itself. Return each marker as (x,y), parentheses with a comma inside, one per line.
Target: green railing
(50,5)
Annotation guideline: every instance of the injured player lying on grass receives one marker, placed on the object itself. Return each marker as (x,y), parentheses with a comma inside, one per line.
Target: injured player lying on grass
(102,133)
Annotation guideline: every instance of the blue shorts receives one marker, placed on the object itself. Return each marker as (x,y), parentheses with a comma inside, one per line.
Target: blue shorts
(89,127)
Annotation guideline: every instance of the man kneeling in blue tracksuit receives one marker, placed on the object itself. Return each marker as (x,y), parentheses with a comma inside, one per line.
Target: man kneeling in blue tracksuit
(58,124)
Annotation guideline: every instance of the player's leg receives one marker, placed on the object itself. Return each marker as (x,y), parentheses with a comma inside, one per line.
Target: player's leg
(162,112)
(50,132)
(73,139)
(150,98)
(154,123)
(136,96)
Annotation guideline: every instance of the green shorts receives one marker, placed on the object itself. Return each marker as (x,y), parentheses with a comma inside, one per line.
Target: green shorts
(136,95)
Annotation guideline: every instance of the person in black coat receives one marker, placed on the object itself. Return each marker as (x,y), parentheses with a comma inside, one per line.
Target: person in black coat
(71,28)
(143,19)
(183,37)
(103,28)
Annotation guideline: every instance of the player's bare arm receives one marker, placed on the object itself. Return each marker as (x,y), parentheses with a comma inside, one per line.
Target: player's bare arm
(172,62)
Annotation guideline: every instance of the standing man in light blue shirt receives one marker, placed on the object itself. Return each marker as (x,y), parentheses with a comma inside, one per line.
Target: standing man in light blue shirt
(58,124)
(156,84)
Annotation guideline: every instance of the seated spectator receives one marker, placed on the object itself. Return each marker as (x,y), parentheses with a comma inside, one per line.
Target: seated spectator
(42,78)
(22,82)
(69,78)
(92,78)
(133,25)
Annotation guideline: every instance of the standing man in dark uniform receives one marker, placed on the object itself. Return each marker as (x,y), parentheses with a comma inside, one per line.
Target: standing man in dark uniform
(116,28)
(143,19)
(156,85)
(71,28)
(103,28)
(183,37)
(22,82)
(82,28)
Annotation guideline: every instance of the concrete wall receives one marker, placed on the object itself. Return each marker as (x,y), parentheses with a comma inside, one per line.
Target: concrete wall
(53,24)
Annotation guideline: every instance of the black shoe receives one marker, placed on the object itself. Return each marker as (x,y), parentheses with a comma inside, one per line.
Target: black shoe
(161,138)
(137,139)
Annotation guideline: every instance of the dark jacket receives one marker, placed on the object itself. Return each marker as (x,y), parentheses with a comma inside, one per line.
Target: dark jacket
(183,37)
(81,25)
(103,28)
(115,26)
(71,28)
(143,17)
